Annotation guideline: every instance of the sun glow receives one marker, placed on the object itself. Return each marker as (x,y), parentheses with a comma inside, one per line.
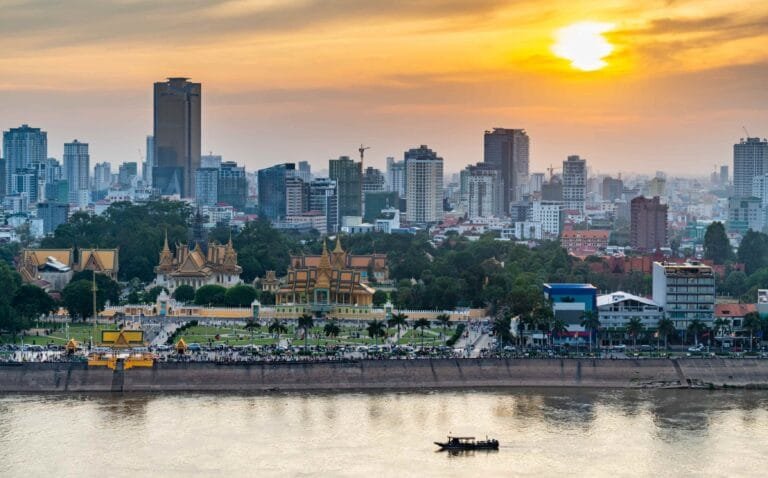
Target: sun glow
(584,45)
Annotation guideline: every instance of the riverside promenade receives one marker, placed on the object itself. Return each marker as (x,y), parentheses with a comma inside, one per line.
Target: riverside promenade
(386,374)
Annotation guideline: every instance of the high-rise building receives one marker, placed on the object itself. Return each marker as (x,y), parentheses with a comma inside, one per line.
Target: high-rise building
(57,192)
(126,173)
(648,223)
(550,214)
(53,215)
(149,161)
(296,196)
(233,185)
(102,176)
(272,190)
(3,181)
(552,190)
(76,169)
(304,171)
(657,187)
(575,183)
(508,150)
(176,136)
(376,201)
(23,147)
(210,161)
(424,190)
(482,191)
(373,180)
(745,213)
(346,172)
(535,181)
(396,176)
(750,159)
(724,179)
(612,188)
(207,186)
(323,198)
(26,182)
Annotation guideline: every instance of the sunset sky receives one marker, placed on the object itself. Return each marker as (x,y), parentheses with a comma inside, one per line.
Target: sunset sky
(291,80)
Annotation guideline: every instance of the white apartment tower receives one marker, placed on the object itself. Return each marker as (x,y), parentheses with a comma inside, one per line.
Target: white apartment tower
(750,159)
(424,188)
(76,169)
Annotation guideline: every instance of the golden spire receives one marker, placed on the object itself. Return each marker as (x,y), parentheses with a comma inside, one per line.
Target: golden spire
(165,244)
(325,263)
(229,244)
(338,248)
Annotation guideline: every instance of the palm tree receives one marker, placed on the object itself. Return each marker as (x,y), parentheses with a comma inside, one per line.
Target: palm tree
(306,322)
(591,323)
(558,328)
(720,326)
(500,327)
(695,328)
(422,324)
(331,329)
(665,328)
(634,328)
(398,321)
(752,323)
(376,329)
(277,327)
(251,325)
(444,319)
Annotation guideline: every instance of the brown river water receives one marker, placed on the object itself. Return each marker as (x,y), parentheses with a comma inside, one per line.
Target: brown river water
(543,432)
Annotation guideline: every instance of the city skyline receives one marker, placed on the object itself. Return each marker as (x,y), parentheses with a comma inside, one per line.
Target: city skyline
(673,95)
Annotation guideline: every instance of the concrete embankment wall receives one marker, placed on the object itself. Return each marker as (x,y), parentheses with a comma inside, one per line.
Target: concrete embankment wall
(385,374)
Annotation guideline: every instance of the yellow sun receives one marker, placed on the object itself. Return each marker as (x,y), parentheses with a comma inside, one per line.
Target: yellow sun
(584,45)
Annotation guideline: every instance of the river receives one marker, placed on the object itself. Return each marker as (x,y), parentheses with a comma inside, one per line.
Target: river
(543,432)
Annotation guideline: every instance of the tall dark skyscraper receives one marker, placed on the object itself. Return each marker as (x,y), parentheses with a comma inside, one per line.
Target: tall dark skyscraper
(232,185)
(272,190)
(23,148)
(176,136)
(346,172)
(508,150)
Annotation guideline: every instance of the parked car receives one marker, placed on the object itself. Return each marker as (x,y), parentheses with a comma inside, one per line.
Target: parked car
(696,348)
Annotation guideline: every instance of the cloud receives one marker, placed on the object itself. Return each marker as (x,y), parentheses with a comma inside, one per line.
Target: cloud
(42,24)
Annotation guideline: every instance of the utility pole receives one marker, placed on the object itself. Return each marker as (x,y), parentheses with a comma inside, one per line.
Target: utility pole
(95,316)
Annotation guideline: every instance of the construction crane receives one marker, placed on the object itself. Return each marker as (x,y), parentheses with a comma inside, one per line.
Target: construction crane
(745,131)
(362,149)
(552,170)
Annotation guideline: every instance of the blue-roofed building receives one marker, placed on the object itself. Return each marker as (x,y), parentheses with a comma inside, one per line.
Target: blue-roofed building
(570,302)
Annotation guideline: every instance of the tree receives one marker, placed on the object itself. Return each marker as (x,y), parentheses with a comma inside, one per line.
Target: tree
(736,283)
(501,329)
(331,329)
(634,328)
(77,297)
(30,302)
(379,298)
(591,323)
(376,329)
(306,322)
(107,288)
(721,326)
(753,251)
(252,326)
(240,295)
(398,321)
(696,327)
(716,244)
(445,320)
(558,328)
(752,323)
(276,327)
(211,294)
(184,293)
(422,324)
(665,328)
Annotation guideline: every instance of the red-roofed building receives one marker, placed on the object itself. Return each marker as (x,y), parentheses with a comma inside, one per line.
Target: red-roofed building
(734,313)
(595,240)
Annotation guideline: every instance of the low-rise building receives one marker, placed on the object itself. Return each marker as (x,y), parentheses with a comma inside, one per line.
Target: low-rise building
(617,309)
(686,291)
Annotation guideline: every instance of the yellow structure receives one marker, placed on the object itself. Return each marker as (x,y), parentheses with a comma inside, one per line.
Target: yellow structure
(103,261)
(181,347)
(52,269)
(72,346)
(111,361)
(328,284)
(122,338)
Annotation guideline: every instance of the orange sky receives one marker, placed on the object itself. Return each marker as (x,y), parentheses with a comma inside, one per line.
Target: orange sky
(290,80)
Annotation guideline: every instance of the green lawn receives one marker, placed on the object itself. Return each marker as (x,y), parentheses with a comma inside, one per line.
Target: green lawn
(238,335)
(58,336)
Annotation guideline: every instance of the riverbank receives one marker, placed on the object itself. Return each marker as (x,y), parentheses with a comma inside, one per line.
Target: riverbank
(387,374)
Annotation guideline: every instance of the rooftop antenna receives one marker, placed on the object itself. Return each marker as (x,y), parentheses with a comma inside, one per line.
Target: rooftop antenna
(362,149)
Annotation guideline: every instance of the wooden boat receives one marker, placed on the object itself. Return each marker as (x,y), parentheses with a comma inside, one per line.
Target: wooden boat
(468,443)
